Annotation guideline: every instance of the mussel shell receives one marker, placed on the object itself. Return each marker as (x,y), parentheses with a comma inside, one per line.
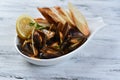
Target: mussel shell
(26,50)
(39,39)
(50,52)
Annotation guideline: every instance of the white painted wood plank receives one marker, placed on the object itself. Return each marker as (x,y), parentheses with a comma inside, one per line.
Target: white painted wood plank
(100,60)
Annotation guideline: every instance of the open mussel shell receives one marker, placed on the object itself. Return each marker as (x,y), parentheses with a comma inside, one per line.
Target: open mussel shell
(38,41)
(76,42)
(25,46)
(50,52)
(62,32)
(74,38)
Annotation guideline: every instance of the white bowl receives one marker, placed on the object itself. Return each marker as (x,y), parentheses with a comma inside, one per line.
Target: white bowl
(94,25)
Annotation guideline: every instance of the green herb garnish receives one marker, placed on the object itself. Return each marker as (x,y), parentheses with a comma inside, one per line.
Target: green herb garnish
(31,24)
(37,26)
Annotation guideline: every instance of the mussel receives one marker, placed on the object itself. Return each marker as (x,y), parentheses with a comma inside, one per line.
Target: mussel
(50,52)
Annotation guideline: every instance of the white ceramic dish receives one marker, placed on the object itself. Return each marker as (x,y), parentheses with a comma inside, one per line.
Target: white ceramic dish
(94,24)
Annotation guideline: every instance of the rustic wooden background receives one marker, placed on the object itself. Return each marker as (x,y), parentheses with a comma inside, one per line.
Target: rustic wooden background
(100,60)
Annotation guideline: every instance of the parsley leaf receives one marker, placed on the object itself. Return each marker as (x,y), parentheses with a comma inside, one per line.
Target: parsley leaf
(37,26)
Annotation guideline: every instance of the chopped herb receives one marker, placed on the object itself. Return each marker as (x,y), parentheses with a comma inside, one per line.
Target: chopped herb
(37,26)
(31,24)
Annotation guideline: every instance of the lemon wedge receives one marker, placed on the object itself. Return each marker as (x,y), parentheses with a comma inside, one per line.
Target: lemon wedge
(23,28)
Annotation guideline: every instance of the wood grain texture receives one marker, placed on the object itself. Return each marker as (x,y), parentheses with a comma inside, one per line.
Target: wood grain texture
(100,60)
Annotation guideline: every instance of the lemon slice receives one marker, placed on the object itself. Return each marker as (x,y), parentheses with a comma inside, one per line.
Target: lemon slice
(23,28)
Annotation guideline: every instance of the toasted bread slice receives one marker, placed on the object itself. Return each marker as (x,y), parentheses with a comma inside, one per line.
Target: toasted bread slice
(79,19)
(42,21)
(51,15)
(58,16)
(64,15)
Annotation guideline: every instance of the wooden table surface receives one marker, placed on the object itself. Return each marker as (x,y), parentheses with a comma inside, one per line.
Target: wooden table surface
(99,60)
